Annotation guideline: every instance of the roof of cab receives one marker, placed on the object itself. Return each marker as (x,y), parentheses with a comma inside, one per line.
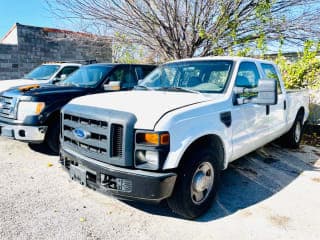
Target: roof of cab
(62,64)
(230,58)
(122,64)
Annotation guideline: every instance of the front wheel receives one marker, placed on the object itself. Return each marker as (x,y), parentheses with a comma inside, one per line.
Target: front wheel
(196,185)
(52,136)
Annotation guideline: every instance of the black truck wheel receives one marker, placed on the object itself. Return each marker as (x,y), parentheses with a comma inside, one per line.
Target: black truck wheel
(52,136)
(292,138)
(196,185)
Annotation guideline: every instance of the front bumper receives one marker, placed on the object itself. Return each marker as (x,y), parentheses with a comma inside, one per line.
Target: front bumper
(121,182)
(34,134)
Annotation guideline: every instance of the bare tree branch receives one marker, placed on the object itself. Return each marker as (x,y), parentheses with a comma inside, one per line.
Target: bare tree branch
(185,28)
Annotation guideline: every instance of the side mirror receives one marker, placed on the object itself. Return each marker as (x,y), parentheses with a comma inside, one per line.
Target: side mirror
(112,86)
(267,92)
(63,77)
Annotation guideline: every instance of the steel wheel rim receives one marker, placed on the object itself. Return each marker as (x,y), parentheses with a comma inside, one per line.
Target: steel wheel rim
(297,132)
(202,183)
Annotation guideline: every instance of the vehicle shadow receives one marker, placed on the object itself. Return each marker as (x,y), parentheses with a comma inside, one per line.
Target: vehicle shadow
(42,148)
(251,180)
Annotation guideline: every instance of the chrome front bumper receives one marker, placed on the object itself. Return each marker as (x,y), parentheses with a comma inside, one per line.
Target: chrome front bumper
(23,133)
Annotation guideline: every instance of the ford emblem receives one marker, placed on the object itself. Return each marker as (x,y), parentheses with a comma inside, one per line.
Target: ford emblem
(80,133)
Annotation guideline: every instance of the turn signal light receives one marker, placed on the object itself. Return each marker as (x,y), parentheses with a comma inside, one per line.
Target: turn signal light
(150,138)
(40,106)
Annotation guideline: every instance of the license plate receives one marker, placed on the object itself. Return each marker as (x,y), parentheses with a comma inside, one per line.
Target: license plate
(78,174)
(113,183)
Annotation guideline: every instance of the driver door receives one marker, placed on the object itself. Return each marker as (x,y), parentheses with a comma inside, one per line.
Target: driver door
(249,120)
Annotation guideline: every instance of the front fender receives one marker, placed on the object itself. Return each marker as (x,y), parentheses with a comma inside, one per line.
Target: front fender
(184,133)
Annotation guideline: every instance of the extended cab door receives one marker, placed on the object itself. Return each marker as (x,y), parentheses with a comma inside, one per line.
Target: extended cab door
(277,113)
(249,120)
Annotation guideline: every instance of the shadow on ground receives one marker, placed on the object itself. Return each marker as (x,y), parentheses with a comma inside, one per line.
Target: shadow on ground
(42,148)
(250,180)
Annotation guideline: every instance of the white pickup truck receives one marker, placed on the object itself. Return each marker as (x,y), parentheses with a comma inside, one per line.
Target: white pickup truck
(171,136)
(45,73)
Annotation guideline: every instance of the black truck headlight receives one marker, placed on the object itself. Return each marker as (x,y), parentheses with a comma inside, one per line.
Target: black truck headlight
(151,149)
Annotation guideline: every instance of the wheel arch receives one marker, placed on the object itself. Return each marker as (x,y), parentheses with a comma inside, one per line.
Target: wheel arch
(301,112)
(209,140)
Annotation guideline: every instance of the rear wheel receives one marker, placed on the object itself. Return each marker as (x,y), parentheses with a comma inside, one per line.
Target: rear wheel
(196,185)
(292,138)
(52,136)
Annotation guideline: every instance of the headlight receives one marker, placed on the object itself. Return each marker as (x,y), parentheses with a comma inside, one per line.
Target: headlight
(151,149)
(27,109)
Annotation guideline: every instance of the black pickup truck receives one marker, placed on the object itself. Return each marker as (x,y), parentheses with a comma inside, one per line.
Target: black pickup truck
(30,113)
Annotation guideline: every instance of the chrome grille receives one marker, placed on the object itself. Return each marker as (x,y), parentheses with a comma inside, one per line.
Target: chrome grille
(7,107)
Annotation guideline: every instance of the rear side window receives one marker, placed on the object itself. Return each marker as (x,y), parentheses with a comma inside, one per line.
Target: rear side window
(270,72)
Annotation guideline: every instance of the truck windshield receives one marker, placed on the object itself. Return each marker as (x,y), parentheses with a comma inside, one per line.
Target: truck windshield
(43,72)
(209,76)
(87,76)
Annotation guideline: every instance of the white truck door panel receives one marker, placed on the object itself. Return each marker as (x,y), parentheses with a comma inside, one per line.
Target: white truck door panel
(248,128)
(277,113)
(250,122)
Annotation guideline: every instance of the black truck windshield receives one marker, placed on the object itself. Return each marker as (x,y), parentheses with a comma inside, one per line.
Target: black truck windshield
(87,76)
(43,72)
(210,76)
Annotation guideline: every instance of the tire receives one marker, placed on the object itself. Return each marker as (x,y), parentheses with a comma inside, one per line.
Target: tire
(292,138)
(192,195)
(52,136)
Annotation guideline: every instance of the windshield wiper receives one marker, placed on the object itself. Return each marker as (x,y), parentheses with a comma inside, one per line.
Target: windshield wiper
(142,87)
(181,89)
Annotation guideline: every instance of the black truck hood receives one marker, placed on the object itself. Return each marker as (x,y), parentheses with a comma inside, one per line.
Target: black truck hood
(45,91)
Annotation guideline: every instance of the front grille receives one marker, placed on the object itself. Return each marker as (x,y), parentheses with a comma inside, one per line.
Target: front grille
(7,107)
(106,135)
(95,142)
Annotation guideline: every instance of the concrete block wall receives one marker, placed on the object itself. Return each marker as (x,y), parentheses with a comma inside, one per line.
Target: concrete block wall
(37,45)
(8,61)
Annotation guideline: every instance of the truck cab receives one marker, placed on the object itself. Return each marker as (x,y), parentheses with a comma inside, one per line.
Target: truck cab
(45,73)
(171,136)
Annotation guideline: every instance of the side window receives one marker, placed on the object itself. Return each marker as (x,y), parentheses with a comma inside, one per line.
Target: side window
(66,71)
(125,76)
(248,75)
(143,71)
(270,72)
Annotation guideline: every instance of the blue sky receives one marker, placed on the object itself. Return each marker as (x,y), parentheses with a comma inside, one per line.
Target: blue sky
(28,12)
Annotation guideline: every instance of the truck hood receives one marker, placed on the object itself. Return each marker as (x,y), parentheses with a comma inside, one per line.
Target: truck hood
(147,106)
(51,89)
(6,84)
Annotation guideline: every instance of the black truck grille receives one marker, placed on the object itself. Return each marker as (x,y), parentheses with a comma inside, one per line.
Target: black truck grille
(93,138)
(7,107)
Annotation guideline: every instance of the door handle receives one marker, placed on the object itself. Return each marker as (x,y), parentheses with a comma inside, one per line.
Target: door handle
(284,104)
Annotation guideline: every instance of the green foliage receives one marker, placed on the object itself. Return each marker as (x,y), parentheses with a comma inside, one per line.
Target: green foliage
(124,51)
(305,72)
